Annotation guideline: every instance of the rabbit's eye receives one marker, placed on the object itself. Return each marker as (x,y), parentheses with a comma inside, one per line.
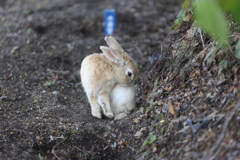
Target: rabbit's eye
(129,74)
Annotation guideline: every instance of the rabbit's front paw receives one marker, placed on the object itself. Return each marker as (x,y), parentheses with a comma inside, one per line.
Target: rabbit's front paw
(120,116)
(109,114)
(97,114)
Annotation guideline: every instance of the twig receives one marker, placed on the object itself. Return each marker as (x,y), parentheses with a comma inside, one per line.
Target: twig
(164,41)
(53,152)
(220,138)
(7,108)
(131,148)
(56,71)
(82,150)
(216,153)
(200,32)
(229,47)
(60,68)
(138,49)
(1,131)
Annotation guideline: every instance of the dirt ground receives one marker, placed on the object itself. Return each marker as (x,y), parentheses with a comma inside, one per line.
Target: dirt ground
(44,112)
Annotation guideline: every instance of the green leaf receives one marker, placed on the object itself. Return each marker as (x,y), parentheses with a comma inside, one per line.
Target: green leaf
(145,142)
(211,53)
(180,16)
(29,30)
(152,138)
(186,4)
(156,83)
(237,54)
(14,49)
(74,131)
(238,45)
(231,6)
(162,131)
(153,94)
(139,66)
(49,83)
(145,153)
(222,65)
(141,110)
(160,117)
(209,16)
(26,12)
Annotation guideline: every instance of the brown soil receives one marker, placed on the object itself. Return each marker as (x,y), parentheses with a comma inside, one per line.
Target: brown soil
(45,41)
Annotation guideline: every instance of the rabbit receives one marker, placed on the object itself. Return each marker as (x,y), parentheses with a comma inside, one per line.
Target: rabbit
(113,70)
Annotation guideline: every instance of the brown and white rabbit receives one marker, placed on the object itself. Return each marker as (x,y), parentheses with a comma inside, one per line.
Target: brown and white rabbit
(106,77)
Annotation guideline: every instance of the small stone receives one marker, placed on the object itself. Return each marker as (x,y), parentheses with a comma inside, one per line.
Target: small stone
(55,92)
(43,91)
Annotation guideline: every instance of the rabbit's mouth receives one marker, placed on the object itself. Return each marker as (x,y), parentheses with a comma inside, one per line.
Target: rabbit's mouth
(126,85)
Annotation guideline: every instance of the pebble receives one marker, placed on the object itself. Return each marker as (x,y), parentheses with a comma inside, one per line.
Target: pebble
(55,92)
(43,91)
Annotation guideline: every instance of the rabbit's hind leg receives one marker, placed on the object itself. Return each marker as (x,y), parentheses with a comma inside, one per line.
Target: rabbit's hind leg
(95,108)
(104,101)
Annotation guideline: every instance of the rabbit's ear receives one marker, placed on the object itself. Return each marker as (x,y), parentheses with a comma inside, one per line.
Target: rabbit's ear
(113,44)
(112,55)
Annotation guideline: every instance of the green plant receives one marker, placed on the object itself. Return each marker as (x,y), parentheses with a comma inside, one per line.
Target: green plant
(150,139)
(222,65)
(152,104)
(40,157)
(145,153)
(29,30)
(74,131)
(237,54)
(139,66)
(209,16)
(49,83)
(141,110)
(231,6)
(181,15)
(26,12)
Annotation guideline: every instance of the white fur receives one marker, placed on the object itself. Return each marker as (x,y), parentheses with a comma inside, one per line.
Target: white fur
(123,100)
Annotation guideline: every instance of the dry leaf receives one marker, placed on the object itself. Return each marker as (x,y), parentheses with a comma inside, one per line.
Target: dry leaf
(177,104)
(187,18)
(154,150)
(106,134)
(137,120)
(235,69)
(122,143)
(195,44)
(105,148)
(140,132)
(167,88)
(195,73)
(171,108)
(200,94)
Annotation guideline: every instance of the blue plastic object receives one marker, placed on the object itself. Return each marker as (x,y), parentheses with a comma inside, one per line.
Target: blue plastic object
(109,23)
